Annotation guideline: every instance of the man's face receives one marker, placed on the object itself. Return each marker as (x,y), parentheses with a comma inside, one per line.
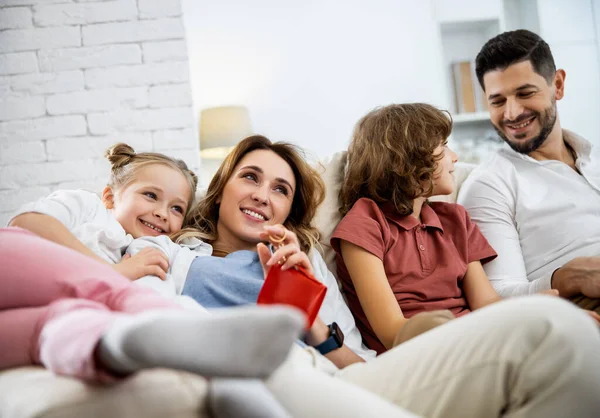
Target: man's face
(522,105)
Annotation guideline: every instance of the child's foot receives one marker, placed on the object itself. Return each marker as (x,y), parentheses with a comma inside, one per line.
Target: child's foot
(236,342)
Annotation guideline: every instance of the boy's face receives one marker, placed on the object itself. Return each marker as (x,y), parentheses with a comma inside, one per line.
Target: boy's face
(522,104)
(443,181)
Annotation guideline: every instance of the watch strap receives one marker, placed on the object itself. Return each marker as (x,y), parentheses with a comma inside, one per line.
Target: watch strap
(330,344)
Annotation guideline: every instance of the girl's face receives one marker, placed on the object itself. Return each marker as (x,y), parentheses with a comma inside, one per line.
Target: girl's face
(153,204)
(443,181)
(259,192)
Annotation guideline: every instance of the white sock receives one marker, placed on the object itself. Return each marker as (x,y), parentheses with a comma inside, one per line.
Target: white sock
(249,341)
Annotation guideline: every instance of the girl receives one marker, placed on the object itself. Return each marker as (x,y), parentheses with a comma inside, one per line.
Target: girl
(489,363)
(397,254)
(65,307)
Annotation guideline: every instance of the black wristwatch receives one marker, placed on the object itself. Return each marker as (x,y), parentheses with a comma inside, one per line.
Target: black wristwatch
(335,340)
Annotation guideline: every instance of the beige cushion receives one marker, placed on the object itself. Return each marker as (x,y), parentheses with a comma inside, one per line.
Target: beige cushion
(35,392)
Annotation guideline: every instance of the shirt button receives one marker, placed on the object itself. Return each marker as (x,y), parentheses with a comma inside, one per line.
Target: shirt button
(422,247)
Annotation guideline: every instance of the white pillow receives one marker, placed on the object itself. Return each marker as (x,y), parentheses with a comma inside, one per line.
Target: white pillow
(328,215)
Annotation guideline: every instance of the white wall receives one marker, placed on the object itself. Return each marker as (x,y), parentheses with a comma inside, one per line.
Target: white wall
(309,70)
(76,77)
(570,30)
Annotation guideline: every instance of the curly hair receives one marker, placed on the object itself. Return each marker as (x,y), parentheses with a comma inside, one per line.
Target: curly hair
(391,155)
(310,192)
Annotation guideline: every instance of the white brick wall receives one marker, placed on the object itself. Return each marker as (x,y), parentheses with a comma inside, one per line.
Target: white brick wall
(21,62)
(77,76)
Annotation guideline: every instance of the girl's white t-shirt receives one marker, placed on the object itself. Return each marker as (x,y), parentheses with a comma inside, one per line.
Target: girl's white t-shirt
(84,214)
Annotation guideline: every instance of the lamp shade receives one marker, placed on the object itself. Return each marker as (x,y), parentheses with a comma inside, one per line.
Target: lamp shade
(221,128)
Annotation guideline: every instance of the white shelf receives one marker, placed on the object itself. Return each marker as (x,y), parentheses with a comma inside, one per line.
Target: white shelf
(471,117)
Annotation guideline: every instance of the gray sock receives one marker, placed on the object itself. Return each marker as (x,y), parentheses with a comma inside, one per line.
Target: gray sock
(249,341)
(243,398)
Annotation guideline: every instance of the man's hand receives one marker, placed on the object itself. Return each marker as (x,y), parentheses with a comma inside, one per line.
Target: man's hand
(580,275)
(148,262)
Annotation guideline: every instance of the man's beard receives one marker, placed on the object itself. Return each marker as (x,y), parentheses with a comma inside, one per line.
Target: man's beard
(547,120)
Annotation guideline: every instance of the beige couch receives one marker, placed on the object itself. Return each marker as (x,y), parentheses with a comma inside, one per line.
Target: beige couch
(35,392)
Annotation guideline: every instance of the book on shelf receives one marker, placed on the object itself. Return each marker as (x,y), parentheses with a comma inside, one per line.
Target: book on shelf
(468,94)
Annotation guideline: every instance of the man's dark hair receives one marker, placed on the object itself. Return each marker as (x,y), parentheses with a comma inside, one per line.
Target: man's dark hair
(513,47)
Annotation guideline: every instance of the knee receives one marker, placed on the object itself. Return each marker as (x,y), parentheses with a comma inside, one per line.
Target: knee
(421,323)
(541,314)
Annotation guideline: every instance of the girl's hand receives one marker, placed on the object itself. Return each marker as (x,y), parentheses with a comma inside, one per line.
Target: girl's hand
(287,253)
(148,262)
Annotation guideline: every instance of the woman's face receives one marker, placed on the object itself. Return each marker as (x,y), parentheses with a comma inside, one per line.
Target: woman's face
(259,192)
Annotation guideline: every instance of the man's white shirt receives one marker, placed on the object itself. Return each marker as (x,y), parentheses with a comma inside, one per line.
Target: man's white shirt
(538,215)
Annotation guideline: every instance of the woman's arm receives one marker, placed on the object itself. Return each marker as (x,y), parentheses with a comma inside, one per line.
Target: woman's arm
(478,289)
(52,229)
(341,357)
(374,292)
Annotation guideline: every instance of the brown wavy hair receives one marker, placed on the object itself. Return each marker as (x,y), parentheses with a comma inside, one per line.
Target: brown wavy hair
(390,157)
(310,192)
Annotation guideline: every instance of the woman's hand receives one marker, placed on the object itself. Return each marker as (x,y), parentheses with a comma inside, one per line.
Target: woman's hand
(287,253)
(148,262)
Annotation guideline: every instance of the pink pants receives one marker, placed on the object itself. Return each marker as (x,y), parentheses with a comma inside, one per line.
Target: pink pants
(43,283)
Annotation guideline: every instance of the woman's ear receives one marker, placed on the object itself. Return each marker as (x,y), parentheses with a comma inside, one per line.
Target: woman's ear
(108,198)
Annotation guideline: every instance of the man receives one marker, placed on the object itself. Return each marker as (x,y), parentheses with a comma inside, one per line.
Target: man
(537,203)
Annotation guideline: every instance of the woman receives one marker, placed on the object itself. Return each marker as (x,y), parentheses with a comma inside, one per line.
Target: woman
(543,366)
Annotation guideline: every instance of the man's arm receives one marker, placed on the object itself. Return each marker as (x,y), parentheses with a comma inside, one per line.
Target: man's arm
(490,204)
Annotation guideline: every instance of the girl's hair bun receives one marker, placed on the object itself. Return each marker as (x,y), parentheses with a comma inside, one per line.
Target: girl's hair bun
(119,155)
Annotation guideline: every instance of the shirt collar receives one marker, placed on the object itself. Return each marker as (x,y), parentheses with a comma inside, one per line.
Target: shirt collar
(581,146)
(429,218)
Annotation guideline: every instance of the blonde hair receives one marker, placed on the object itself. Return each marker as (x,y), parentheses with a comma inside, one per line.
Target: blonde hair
(126,163)
(310,192)
(390,158)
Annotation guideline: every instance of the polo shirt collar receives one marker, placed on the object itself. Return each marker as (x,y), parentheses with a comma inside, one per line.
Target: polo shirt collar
(429,218)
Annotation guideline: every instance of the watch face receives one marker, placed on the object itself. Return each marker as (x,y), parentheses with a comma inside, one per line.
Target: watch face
(337,334)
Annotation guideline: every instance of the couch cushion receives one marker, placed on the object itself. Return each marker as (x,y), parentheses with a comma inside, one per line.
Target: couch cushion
(328,215)
(35,392)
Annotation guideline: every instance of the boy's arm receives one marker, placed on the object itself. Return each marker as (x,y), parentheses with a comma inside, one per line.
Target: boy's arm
(478,289)
(374,292)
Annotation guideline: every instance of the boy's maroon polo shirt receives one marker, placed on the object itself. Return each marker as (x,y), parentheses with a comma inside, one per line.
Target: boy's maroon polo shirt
(424,262)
